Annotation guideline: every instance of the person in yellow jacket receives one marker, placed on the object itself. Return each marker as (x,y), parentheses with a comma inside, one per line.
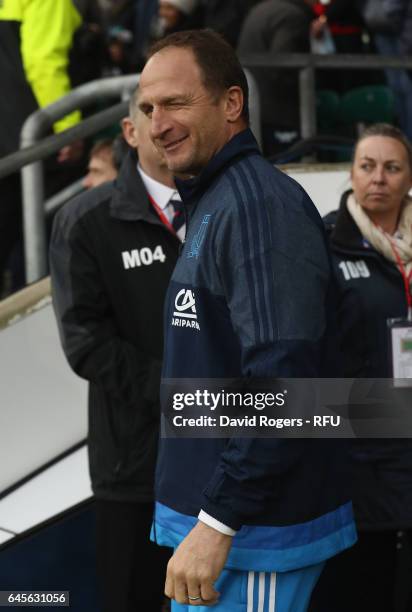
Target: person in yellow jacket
(35,41)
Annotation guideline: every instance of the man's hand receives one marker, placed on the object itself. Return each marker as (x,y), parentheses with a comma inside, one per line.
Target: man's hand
(71,153)
(196,565)
(317,26)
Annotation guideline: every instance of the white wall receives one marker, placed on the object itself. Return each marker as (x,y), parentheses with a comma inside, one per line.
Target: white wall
(324,187)
(62,486)
(42,403)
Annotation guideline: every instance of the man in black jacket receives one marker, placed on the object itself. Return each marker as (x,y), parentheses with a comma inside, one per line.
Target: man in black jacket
(113,250)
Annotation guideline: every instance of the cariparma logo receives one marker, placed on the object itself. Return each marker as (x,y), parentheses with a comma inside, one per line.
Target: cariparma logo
(185,314)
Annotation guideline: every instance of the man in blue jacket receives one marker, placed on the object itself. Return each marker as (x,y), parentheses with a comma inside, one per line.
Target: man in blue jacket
(252,520)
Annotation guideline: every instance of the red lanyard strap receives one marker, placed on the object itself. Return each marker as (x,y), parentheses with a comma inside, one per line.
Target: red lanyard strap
(406,277)
(162,216)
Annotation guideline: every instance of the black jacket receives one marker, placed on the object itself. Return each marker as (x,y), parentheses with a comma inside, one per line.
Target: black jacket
(371,291)
(111,259)
(17,101)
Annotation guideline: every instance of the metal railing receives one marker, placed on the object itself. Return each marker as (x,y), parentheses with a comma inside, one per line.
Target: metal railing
(67,193)
(307,66)
(41,121)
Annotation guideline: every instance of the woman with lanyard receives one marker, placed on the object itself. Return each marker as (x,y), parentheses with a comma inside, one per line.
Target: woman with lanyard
(371,241)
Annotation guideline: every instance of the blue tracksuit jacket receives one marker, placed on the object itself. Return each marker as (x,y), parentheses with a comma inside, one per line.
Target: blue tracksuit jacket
(254,276)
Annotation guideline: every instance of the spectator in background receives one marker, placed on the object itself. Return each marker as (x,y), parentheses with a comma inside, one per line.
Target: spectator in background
(105,161)
(272,27)
(35,41)
(177,15)
(119,51)
(88,53)
(118,18)
(145,13)
(227,17)
(371,240)
(101,166)
(112,253)
(343,21)
(390,23)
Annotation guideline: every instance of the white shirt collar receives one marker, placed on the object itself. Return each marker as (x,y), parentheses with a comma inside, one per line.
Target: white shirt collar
(160,193)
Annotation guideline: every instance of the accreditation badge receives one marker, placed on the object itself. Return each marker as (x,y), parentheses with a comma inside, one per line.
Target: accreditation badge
(400,336)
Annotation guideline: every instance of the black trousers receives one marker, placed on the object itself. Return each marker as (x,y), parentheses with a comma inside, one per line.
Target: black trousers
(131,569)
(362,578)
(10,225)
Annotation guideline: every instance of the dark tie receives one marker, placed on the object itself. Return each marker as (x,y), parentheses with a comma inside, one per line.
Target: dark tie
(179,214)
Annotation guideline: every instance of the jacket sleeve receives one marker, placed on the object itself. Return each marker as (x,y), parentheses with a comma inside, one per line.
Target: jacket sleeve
(47,29)
(275,273)
(87,326)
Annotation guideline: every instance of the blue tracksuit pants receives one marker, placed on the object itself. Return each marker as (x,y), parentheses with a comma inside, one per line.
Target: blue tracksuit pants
(261,591)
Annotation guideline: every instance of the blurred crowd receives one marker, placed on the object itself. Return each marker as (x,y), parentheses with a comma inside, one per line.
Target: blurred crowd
(126,28)
(116,33)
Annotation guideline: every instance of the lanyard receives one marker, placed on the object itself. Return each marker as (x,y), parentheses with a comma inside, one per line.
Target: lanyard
(162,216)
(407,278)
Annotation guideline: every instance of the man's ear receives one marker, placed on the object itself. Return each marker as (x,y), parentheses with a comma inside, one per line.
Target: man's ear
(234,103)
(130,132)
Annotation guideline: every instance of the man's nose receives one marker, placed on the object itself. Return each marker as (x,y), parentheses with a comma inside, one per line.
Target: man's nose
(87,181)
(160,123)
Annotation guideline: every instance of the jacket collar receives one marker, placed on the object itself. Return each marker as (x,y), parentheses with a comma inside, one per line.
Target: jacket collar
(241,145)
(130,201)
(345,233)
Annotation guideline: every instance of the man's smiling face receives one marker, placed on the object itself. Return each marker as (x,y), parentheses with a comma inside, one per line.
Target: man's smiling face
(188,123)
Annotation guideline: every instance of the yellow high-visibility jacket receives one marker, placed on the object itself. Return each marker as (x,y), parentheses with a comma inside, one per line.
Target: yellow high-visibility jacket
(35,40)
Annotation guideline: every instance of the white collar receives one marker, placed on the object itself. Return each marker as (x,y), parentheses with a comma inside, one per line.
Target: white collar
(159,192)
